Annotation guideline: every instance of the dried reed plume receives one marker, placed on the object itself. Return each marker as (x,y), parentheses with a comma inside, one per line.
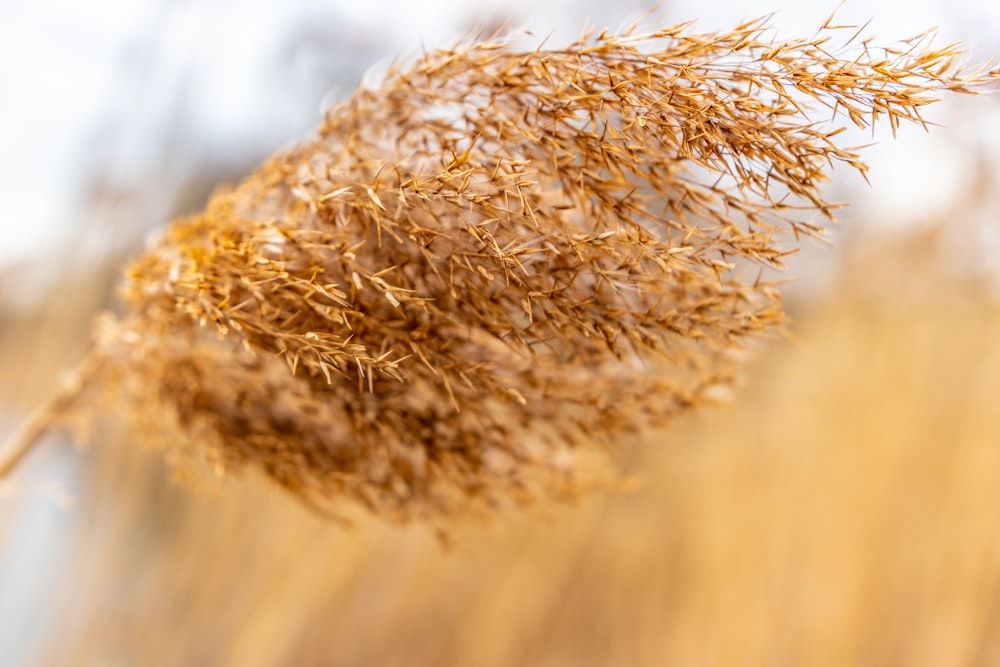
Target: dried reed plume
(492,264)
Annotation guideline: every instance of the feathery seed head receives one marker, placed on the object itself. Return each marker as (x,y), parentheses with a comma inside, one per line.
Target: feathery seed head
(493,260)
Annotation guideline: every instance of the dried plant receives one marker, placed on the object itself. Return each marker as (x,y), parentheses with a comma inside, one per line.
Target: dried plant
(492,264)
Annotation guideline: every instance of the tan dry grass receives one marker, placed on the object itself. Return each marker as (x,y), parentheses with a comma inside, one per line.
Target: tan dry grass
(840,512)
(495,264)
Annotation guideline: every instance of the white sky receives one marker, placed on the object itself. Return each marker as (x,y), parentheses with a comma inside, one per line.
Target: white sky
(82,87)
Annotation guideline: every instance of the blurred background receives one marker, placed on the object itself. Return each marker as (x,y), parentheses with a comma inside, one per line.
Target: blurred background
(843,509)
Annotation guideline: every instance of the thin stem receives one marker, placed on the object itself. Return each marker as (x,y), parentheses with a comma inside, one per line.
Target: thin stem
(43,418)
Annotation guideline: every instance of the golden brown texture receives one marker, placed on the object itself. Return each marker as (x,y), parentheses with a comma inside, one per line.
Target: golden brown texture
(491,265)
(841,511)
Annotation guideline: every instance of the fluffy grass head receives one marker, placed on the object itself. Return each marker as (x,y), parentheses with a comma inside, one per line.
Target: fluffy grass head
(493,264)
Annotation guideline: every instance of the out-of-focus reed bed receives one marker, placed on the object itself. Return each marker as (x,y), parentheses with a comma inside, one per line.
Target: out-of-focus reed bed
(841,512)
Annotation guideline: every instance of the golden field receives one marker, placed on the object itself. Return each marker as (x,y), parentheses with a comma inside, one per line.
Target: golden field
(842,510)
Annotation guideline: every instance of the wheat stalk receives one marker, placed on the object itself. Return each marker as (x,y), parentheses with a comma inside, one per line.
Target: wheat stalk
(493,260)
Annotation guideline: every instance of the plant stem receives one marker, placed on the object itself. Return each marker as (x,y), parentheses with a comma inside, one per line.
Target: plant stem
(44,417)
